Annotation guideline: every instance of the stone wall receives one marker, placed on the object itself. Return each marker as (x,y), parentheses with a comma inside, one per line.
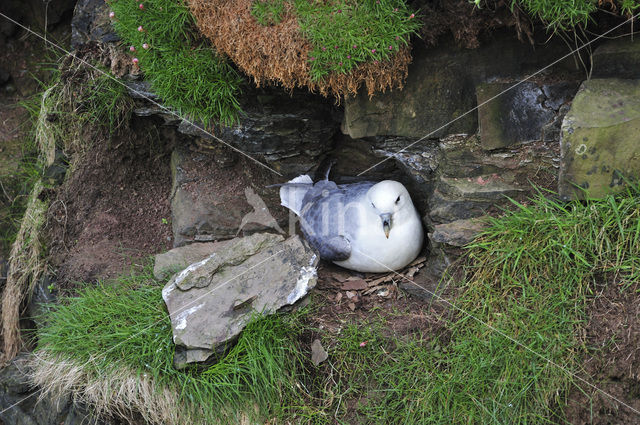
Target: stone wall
(467,132)
(470,129)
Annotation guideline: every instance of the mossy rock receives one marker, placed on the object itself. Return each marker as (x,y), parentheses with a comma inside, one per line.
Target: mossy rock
(600,139)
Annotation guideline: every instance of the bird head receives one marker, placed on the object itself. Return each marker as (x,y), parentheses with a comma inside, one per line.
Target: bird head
(390,199)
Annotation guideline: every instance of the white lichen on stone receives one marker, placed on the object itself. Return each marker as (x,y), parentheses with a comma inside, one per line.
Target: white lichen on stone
(181,318)
(167,290)
(183,274)
(302,284)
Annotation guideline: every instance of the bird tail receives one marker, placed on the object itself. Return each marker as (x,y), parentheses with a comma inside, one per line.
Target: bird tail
(292,193)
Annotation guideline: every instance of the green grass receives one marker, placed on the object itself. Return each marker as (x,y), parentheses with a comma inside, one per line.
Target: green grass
(125,325)
(16,187)
(529,278)
(106,102)
(346,33)
(566,15)
(17,180)
(268,12)
(185,72)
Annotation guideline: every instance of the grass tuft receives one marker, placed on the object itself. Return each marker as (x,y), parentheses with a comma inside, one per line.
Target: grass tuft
(106,103)
(124,327)
(344,34)
(26,266)
(268,12)
(185,72)
(529,278)
(567,15)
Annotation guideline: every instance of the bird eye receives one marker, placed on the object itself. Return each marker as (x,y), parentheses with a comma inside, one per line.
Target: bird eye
(398,200)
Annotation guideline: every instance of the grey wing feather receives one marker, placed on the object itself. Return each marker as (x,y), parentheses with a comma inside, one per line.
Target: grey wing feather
(326,219)
(337,248)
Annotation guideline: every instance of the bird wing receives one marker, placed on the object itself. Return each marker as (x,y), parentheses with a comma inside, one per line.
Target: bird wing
(326,220)
(293,192)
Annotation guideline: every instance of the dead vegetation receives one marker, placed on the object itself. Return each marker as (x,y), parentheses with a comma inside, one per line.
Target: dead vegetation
(70,102)
(467,23)
(279,54)
(120,392)
(26,266)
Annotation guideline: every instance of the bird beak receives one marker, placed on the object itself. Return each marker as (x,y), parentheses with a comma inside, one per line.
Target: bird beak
(386,224)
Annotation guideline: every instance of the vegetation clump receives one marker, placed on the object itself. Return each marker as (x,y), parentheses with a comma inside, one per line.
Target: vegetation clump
(512,350)
(331,47)
(566,15)
(344,34)
(508,349)
(182,68)
(112,346)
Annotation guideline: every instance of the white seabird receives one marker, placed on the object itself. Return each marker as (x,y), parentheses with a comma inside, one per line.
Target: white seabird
(367,226)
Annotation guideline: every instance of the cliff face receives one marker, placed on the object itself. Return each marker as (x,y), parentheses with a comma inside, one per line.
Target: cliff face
(471,129)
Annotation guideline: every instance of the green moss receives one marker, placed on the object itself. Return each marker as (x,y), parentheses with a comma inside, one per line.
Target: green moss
(184,71)
(345,33)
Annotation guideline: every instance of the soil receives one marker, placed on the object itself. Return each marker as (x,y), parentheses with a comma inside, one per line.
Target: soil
(114,210)
(612,336)
(341,301)
(22,68)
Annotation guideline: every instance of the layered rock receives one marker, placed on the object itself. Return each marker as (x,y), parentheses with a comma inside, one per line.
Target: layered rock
(600,139)
(207,201)
(617,59)
(91,23)
(439,95)
(212,300)
(511,113)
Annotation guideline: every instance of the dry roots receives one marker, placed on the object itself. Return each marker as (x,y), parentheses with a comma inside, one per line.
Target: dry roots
(279,54)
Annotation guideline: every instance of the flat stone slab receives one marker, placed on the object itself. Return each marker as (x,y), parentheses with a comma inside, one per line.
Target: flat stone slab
(600,143)
(491,187)
(211,201)
(459,232)
(619,58)
(211,301)
(178,259)
(522,114)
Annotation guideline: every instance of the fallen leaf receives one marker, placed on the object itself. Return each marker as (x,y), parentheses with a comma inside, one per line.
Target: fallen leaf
(318,353)
(350,294)
(351,306)
(419,260)
(338,297)
(354,285)
(339,277)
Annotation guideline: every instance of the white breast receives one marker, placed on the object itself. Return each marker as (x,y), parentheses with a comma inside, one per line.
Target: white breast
(373,252)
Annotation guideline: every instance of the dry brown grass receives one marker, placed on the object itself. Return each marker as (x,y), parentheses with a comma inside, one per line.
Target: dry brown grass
(26,266)
(120,392)
(279,54)
(45,133)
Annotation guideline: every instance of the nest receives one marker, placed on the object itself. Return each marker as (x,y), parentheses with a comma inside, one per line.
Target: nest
(280,53)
